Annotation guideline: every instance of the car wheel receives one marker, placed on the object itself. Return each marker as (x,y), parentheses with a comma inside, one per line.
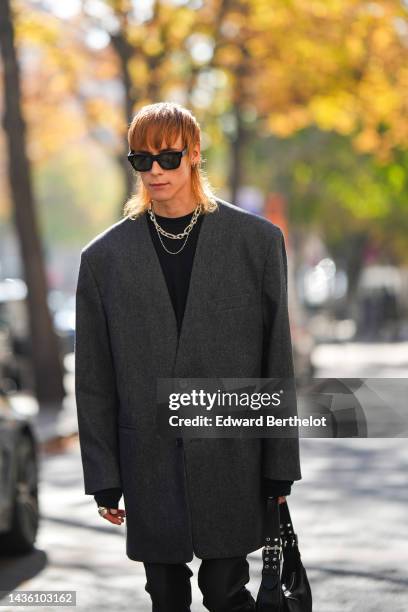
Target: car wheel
(25,515)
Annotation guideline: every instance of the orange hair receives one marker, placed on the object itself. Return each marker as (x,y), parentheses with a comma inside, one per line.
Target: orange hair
(165,121)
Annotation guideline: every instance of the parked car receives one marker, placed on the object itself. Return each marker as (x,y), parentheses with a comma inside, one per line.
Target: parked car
(19,511)
(15,342)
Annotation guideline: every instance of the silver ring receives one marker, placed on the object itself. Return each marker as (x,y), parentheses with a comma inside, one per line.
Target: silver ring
(102,510)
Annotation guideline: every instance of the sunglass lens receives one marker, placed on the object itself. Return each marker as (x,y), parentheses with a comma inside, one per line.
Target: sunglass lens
(169,161)
(141,163)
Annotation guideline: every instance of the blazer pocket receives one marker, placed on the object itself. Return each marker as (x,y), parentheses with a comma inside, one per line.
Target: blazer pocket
(230,302)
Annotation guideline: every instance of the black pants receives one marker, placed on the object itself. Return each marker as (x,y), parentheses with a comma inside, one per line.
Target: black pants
(221,581)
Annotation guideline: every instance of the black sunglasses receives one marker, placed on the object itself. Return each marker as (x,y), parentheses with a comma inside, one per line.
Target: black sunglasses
(168,160)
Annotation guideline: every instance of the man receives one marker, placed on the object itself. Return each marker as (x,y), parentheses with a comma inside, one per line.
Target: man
(185,286)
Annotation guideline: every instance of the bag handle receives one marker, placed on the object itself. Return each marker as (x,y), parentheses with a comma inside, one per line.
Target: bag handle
(286,527)
(272,551)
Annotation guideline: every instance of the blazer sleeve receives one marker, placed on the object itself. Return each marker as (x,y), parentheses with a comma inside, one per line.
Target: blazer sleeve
(280,458)
(277,488)
(95,386)
(108,497)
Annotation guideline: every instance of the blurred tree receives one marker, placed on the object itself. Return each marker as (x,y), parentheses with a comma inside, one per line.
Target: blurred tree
(146,48)
(341,66)
(349,199)
(116,24)
(46,361)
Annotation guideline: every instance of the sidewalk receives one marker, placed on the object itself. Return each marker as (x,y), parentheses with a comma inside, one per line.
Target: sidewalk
(348,510)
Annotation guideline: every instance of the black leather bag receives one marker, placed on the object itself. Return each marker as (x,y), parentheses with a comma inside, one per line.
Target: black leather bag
(286,588)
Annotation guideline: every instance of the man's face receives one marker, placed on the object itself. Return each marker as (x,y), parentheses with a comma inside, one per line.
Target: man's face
(163,184)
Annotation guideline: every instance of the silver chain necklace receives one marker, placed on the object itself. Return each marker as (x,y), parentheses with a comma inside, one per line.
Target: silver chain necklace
(185,233)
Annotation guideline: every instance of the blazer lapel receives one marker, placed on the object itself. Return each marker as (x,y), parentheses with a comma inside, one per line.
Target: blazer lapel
(201,286)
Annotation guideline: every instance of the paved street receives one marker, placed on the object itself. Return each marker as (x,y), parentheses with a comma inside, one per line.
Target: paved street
(350,512)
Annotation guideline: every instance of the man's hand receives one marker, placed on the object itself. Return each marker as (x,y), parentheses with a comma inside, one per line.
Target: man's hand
(281,499)
(115,516)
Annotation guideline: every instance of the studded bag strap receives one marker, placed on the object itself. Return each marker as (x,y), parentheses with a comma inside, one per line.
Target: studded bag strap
(287,531)
(272,551)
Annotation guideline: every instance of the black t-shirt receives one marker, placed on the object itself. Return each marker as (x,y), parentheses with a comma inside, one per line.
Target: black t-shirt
(176,268)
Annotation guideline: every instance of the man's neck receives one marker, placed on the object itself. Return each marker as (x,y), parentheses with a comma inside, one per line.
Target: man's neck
(172,209)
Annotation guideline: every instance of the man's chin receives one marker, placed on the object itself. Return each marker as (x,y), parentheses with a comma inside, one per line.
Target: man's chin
(161,197)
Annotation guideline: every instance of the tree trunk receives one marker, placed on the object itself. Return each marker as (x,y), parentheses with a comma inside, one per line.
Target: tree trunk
(46,360)
(237,152)
(124,52)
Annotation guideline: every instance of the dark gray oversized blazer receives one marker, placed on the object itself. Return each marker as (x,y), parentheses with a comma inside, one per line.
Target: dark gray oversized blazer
(205,497)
